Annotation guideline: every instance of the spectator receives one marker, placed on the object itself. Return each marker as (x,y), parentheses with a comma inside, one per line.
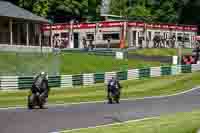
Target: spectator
(195,52)
(108,43)
(84,42)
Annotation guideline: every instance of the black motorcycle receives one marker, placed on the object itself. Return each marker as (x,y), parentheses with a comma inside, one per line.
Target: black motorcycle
(114,96)
(35,100)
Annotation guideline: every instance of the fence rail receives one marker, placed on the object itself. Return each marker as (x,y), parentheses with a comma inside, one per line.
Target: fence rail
(25,82)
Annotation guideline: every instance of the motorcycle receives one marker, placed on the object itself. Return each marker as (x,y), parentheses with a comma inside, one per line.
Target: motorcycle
(114,96)
(36,100)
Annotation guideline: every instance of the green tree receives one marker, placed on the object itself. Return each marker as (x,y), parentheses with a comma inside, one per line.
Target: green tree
(148,10)
(120,7)
(135,9)
(41,7)
(26,4)
(93,7)
(141,12)
(191,12)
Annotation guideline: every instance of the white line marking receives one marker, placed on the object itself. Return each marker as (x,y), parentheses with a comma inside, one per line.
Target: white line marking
(132,99)
(113,124)
(137,120)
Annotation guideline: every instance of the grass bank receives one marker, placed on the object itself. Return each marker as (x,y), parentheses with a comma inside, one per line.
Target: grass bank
(131,89)
(177,123)
(68,63)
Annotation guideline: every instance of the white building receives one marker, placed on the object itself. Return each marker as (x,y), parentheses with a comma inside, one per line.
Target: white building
(138,34)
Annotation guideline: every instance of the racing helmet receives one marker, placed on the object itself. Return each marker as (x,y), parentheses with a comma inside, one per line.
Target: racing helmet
(44,74)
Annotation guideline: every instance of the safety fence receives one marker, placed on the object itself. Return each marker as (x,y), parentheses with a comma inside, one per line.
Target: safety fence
(25,82)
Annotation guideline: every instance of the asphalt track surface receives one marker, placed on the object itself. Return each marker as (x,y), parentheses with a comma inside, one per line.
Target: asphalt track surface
(163,59)
(57,118)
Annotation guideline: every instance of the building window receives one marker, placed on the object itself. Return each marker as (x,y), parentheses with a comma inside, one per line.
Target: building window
(112,36)
(64,35)
(90,36)
(157,33)
(56,35)
(186,37)
(180,37)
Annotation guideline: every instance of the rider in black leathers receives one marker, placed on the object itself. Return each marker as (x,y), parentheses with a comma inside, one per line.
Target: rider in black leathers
(40,87)
(113,90)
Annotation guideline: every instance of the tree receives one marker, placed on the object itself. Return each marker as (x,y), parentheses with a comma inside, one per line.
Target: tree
(119,7)
(93,7)
(190,13)
(141,12)
(149,10)
(26,4)
(41,7)
(135,9)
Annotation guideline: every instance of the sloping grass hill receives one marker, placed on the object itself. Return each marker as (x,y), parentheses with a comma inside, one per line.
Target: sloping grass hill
(66,63)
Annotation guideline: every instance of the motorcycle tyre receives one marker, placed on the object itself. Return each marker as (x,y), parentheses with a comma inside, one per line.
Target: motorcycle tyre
(30,106)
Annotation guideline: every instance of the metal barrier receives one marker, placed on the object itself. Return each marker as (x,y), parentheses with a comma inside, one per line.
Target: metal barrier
(144,73)
(99,77)
(166,70)
(25,82)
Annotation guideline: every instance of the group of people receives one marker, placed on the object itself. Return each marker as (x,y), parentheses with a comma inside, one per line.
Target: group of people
(40,90)
(191,59)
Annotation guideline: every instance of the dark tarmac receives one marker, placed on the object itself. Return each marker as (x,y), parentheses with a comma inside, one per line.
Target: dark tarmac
(57,118)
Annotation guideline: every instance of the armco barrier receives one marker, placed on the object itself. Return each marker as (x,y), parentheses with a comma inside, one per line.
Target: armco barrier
(109,75)
(155,72)
(25,82)
(186,69)
(99,77)
(88,79)
(166,70)
(144,73)
(77,80)
(122,75)
(133,74)
(9,82)
(66,81)
(176,69)
(54,81)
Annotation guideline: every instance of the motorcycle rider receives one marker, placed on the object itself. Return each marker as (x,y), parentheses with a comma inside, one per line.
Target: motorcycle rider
(40,87)
(113,90)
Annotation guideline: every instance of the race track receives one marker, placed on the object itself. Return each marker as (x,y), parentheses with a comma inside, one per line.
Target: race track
(93,114)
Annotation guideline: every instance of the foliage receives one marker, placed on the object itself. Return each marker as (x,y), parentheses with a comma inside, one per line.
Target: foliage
(148,10)
(168,11)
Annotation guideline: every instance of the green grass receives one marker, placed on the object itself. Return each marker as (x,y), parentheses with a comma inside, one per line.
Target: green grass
(131,89)
(84,63)
(76,63)
(160,51)
(188,122)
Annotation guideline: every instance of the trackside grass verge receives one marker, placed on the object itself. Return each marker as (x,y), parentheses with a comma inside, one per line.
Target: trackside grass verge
(131,89)
(177,123)
(66,63)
